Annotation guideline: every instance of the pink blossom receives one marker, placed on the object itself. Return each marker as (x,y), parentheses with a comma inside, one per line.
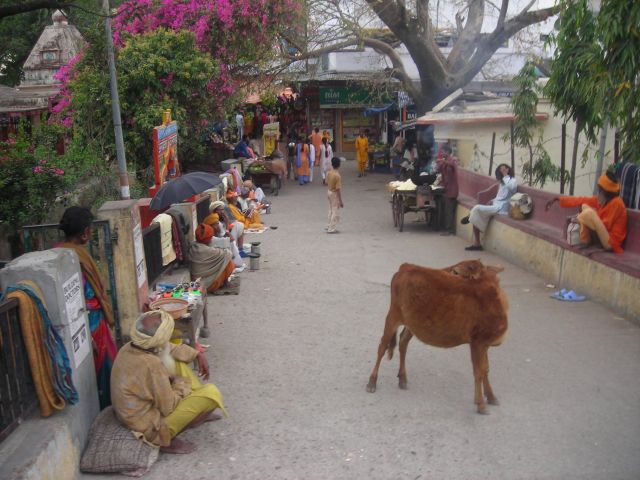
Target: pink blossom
(58,171)
(38,170)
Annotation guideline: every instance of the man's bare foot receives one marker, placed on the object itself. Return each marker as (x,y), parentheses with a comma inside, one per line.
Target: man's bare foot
(179,447)
(204,418)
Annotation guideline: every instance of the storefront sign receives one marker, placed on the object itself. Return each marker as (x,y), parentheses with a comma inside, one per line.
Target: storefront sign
(343,97)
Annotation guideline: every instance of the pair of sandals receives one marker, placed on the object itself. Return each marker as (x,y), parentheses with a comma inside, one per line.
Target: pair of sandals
(568,296)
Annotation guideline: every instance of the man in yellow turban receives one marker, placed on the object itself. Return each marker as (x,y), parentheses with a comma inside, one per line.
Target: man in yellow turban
(154,392)
(602,218)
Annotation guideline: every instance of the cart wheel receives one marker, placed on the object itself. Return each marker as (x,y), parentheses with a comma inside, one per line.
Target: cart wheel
(401,211)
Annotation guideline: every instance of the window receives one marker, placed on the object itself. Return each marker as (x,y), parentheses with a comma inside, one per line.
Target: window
(49,55)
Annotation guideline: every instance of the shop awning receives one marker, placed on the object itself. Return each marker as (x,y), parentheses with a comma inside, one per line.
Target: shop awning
(375,110)
(444,118)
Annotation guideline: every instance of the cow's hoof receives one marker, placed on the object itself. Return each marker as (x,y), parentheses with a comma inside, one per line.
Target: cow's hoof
(371,387)
(493,401)
(482,410)
(402,383)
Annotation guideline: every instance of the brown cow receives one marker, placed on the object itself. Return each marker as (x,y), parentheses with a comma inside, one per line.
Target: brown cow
(446,308)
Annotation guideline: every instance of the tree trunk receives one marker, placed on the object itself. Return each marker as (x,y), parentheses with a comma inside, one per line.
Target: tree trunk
(574,157)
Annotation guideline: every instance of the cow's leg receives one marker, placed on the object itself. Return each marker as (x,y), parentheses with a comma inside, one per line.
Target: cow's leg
(405,337)
(488,391)
(478,354)
(389,333)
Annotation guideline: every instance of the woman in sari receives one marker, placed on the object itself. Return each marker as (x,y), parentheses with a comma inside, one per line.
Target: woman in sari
(76,225)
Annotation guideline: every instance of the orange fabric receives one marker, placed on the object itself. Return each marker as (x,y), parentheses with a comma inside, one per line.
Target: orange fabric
(218,282)
(613,215)
(32,329)
(608,185)
(316,140)
(303,169)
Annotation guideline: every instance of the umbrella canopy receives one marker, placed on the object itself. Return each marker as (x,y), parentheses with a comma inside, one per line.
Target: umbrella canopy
(183,187)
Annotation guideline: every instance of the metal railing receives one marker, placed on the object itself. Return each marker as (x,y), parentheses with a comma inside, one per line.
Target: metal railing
(17,392)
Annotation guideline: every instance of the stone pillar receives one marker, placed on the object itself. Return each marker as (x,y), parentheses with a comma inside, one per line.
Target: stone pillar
(57,273)
(129,262)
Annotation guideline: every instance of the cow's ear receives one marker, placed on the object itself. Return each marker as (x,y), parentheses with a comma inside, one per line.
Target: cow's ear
(495,268)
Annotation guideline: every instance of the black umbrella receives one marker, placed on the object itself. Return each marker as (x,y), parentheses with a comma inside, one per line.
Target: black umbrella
(183,187)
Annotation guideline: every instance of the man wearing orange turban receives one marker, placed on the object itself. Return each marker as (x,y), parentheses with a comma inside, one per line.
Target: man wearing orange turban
(213,265)
(602,218)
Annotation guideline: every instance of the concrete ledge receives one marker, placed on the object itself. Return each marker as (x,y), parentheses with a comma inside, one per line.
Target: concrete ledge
(560,266)
(42,449)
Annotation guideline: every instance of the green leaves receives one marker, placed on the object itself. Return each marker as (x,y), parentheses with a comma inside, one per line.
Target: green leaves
(595,69)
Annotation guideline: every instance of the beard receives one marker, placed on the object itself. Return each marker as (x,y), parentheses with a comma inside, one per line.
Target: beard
(167,360)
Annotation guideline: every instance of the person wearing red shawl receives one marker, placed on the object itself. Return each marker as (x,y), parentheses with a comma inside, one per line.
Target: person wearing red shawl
(76,225)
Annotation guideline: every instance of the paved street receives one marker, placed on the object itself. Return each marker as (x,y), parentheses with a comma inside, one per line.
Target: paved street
(292,355)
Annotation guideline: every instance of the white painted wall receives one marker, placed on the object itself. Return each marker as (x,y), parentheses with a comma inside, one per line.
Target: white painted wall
(475,141)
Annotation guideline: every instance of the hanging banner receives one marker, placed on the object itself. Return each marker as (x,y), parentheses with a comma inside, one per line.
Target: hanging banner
(165,153)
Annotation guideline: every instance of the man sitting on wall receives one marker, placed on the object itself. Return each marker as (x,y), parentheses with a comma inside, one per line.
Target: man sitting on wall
(154,392)
(212,264)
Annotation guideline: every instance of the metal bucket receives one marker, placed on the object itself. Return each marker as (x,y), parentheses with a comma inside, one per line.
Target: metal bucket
(254,261)
(255,247)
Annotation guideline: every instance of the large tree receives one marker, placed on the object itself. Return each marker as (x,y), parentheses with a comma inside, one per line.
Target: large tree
(412,23)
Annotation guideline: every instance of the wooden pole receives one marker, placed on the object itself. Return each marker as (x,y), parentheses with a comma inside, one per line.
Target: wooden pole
(574,157)
(563,156)
(513,154)
(616,148)
(493,146)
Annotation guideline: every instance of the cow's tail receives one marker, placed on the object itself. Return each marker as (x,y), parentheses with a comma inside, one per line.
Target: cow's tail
(392,345)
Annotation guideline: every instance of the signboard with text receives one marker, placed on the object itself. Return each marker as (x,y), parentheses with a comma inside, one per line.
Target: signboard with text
(344,97)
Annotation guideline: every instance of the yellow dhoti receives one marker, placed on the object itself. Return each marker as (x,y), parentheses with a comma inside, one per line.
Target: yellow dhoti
(203,398)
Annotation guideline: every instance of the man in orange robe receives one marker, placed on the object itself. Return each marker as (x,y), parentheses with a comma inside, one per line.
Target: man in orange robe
(602,218)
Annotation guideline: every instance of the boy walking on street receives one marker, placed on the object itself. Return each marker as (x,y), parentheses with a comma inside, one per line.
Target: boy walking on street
(334,185)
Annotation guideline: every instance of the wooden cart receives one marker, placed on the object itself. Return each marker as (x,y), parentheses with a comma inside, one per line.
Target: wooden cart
(261,176)
(403,201)
(264,179)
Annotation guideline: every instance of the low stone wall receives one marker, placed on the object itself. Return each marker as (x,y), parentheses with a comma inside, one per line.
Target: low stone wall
(560,266)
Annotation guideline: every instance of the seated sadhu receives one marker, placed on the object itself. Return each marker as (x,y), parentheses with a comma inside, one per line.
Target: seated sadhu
(602,218)
(212,265)
(249,216)
(154,392)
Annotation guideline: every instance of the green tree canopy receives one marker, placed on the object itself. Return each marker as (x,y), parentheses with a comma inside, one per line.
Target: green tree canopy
(156,71)
(595,69)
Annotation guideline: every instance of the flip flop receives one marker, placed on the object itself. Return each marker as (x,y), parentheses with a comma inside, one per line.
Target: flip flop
(568,296)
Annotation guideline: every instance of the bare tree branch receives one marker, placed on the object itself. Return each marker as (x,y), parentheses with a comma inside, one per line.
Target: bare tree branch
(31,5)
(466,42)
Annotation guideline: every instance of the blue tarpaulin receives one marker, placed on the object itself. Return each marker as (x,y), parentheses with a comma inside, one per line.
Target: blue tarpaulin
(373,111)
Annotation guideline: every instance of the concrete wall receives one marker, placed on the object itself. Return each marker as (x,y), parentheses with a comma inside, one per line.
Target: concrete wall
(50,448)
(129,262)
(561,267)
(479,136)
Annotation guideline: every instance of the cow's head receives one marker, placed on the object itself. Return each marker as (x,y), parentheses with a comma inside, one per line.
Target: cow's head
(473,269)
